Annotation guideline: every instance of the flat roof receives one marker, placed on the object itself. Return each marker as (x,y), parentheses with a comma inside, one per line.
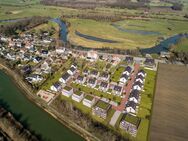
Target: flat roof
(170,117)
(78,92)
(102,104)
(67,88)
(89,97)
(132,119)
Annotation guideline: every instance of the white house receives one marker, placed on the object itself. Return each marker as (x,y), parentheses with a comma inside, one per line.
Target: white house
(124,78)
(117,90)
(34,78)
(131,107)
(60,50)
(138,86)
(80,79)
(127,70)
(104,86)
(72,71)
(142,72)
(104,76)
(92,82)
(134,96)
(65,77)
(140,79)
(88,101)
(77,96)
(92,55)
(67,91)
(56,87)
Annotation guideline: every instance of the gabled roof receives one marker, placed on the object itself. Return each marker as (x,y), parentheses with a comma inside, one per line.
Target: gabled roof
(125,76)
(135,94)
(140,77)
(104,75)
(72,69)
(80,78)
(94,72)
(131,104)
(56,84)
(142,71)
(104,84)
(117,88)
(138,83)
(128,69)
(65,76)
(92,80)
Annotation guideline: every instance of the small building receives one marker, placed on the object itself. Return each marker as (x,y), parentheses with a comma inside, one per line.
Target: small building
(124,78)
(127,70)
(149,63)
(80,79)
(67,91)
(92,82)
(104,86)
(138,86)
(101,109)
(77,96)
(129,59)
(88,101)
(56,87)
(60,50)
(142,72)
(94,73)
(34,78)
(72,71)
(130,124)
(104,76)
(134,96)
(92,55)
(131,107)
(117,90)
(86,72)
(64,78)
(140,78)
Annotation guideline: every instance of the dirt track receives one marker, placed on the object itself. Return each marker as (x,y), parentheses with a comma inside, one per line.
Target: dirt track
(170,111)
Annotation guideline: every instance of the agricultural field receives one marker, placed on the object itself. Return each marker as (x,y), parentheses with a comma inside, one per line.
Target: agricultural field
(169,115)
(128,34)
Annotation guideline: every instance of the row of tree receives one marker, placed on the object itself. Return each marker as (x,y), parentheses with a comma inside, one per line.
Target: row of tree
(86,122)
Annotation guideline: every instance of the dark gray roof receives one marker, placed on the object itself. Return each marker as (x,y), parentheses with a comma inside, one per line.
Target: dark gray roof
(135,93)
(149,61)
(125,76)
(117,88)
(104,75)
(128,69)
(65,76)
(128,58)
(80,78)
(138,83)
(104,84)
(142,71)
(72,69)
(140,76)
(92,80)
(94,72)
(131,104)
(57,85)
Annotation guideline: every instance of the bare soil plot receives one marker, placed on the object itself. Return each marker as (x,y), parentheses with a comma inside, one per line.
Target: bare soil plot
(170,111)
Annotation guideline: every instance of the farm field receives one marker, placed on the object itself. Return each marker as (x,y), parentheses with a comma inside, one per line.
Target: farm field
(169,116)
(129,34)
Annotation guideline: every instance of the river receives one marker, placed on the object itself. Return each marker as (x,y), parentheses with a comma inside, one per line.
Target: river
(30,115)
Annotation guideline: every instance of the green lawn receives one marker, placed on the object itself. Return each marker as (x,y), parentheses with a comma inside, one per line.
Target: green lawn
(182,45)
(117,74)
(92,91)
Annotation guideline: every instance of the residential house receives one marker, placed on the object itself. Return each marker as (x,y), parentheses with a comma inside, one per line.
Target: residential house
(94,73)
(71,71)
(64,78)
(56,87)
(67,91)
(101,109)
(130,124)
(44,53)
(88,101)
(104,86)
(86,72)
(127,70)
(134,96)
(139,78)
(138,86)
(129,59)
(45,68)
(77,96)
(104,76)
(92,82)
(80,79)
(117,90)
(37,59)
(149,63)
(34,78)
(131,107)
(124,78)
(92,55)
(60,50)
(142,72)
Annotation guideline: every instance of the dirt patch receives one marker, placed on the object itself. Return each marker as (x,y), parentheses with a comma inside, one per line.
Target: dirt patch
(170,116)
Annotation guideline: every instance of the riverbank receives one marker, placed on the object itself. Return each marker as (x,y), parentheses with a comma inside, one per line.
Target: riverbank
(13,129)
(33,98)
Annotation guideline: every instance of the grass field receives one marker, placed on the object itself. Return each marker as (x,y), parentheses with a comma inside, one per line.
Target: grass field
(182,45)
(133,38)
(170,116)
(19,2)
